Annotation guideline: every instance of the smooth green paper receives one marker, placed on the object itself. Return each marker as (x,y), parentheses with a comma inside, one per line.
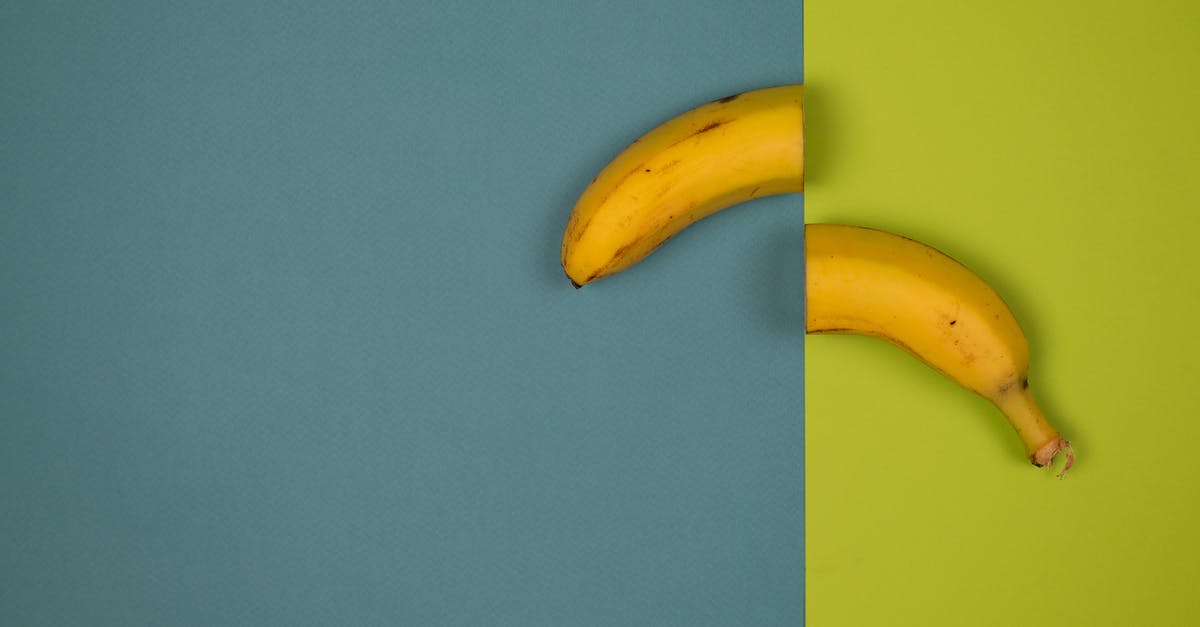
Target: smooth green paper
(1051,148)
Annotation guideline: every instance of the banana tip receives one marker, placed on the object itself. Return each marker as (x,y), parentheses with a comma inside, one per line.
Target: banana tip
(574,283)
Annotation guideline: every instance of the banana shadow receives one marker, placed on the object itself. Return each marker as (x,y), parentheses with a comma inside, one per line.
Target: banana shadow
(778,283)
(824,125)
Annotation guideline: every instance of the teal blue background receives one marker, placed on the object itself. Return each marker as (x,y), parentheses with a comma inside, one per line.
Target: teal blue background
(284,339)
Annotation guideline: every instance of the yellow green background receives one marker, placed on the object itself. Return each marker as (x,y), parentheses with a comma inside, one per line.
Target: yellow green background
(1052,147)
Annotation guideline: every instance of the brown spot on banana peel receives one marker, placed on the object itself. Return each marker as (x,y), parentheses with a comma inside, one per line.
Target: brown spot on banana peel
(726,99)
(603,271)
(641,167)
(617,185)
(1021,379)
(581,230)
(617,254)
(620,252)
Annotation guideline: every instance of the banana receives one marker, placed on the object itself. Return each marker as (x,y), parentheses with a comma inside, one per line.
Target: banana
(858,280)
(870,282)
(722,153)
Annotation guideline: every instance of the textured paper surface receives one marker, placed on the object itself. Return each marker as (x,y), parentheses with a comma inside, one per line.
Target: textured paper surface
(1052,147)
(284,339)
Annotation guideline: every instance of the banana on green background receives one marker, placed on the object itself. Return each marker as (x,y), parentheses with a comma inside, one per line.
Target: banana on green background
(858,280)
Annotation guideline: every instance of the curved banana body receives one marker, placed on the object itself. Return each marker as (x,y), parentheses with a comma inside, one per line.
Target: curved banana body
(859,280)
(870,282)
(719,154)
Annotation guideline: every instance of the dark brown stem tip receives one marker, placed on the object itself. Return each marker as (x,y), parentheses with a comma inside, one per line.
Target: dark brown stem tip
(577,285)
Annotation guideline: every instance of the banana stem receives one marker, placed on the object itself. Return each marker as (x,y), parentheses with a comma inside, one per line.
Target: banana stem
(1045,455)
(1041,440)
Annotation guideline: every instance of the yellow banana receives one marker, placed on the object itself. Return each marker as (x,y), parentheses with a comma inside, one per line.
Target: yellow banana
(859,280)
(724,152)
(870,282)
